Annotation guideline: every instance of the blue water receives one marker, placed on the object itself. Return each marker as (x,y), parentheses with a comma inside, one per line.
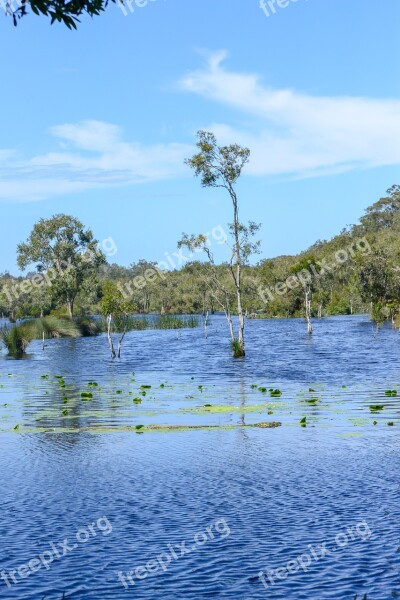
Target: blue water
(243,500)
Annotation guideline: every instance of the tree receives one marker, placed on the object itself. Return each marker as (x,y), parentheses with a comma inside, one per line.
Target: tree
(65,252)
(381,215)
(379,284)
(305,271)
(62,11)
(221,167)
(115,309)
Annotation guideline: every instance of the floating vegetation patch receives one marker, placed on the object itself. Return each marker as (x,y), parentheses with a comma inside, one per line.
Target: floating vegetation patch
(392,393)
(225,408)
(376,408)
(275,393)
(312,401)
(86,395)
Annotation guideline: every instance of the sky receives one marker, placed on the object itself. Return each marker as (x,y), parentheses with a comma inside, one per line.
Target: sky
(97,122)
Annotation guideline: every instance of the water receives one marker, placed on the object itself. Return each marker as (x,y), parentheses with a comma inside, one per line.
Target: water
(242,499)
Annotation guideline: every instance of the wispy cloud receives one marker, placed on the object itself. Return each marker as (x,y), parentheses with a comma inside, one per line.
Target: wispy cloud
(293,133)
(290,134)
(90,155)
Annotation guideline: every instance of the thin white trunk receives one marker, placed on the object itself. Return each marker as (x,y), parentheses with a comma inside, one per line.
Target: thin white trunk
(110,342)
(308,311)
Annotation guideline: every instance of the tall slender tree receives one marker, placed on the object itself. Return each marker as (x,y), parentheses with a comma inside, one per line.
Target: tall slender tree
(221,167)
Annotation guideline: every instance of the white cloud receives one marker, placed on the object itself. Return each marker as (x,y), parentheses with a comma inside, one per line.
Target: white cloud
(289,133)
(92,155)
(299,134)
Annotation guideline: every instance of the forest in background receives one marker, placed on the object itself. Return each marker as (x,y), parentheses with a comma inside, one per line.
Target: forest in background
(357,271)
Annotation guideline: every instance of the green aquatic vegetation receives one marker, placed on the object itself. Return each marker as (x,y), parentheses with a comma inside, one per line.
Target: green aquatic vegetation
(200,387)
(143,392)
(64,412)
(92,384)
(226,409)
(16,339)
(391,393)
(311,390)
(359,421)
(375,423)
(391,424)
(86,395)
(118,392)
(312,401)
(139,427)
(162,385)
(16,428)
(208,405)
(145,387)
(263,390)
(270,412)
(44,376)
(175,322)
(237,349)
(275,393)
(254,386)
(376,407)
(137,400)
(303,421)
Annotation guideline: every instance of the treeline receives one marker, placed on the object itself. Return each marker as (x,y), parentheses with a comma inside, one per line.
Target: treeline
(357,271)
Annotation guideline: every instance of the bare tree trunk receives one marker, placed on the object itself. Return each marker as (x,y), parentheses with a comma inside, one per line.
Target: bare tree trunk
(71,309)
(229,319)
(308,311)
(237,278)
(121,339)
(110,342)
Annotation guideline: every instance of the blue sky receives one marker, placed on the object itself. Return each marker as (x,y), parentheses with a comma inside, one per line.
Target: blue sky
(96,123)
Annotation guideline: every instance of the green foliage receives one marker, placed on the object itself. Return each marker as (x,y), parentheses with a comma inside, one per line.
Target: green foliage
(237,348)
(16,340)
(60,11)
(175,322)
(65,252)
(217,165)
